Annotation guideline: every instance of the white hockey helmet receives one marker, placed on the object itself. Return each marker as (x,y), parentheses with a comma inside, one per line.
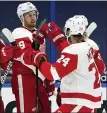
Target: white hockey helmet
(75,26)
(83,18)
(24,8)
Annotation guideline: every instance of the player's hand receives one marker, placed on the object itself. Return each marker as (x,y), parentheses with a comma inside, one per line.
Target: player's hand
(39,57)
(8,53)
(49,85)
(52,31)
(55,33)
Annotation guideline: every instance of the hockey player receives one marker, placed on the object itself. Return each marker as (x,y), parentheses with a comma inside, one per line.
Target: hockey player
(80,77)
(96,52)
(23,73)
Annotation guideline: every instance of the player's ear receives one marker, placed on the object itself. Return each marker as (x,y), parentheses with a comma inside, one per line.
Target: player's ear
(67,31)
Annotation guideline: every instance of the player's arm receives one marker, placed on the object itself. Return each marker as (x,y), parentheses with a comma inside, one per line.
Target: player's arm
(62,67)
(97,56)
(55,34)
(99,61)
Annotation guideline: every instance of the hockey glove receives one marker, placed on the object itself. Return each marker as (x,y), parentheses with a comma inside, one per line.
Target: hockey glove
(39,57)
(7,53)
(54,33)
(49,85)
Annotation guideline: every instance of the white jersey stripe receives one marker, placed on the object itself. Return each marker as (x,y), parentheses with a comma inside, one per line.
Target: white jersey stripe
(57,37)
(80,101)
(76,109)
(81,95)
(54,73)
(21,97)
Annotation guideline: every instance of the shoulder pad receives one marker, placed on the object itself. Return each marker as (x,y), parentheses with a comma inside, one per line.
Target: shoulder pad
(20,32)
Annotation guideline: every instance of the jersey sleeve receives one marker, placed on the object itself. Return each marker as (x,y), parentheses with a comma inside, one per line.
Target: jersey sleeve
(99,62)
(62,44)
(20,33)
(97,56)
(23,37)
(62,67)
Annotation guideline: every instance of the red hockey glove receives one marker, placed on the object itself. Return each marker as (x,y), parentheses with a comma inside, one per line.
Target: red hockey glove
(52,31)
(49,85)
(55,33)
(39,57)
(7,53)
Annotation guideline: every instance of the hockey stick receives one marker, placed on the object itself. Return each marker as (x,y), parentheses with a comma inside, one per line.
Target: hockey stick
(3,78)
(4,38)
(37,34)
(7,37)
(90,30)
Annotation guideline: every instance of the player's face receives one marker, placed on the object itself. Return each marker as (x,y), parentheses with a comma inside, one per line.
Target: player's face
(30,19)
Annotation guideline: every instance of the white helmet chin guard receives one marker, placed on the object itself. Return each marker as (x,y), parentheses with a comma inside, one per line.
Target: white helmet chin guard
(24,8)
(75,25)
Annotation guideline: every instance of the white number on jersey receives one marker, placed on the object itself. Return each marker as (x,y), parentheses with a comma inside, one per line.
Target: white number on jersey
(21,44)
(64,60)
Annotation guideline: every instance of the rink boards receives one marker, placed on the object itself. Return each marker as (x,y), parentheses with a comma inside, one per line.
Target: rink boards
(8,97)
